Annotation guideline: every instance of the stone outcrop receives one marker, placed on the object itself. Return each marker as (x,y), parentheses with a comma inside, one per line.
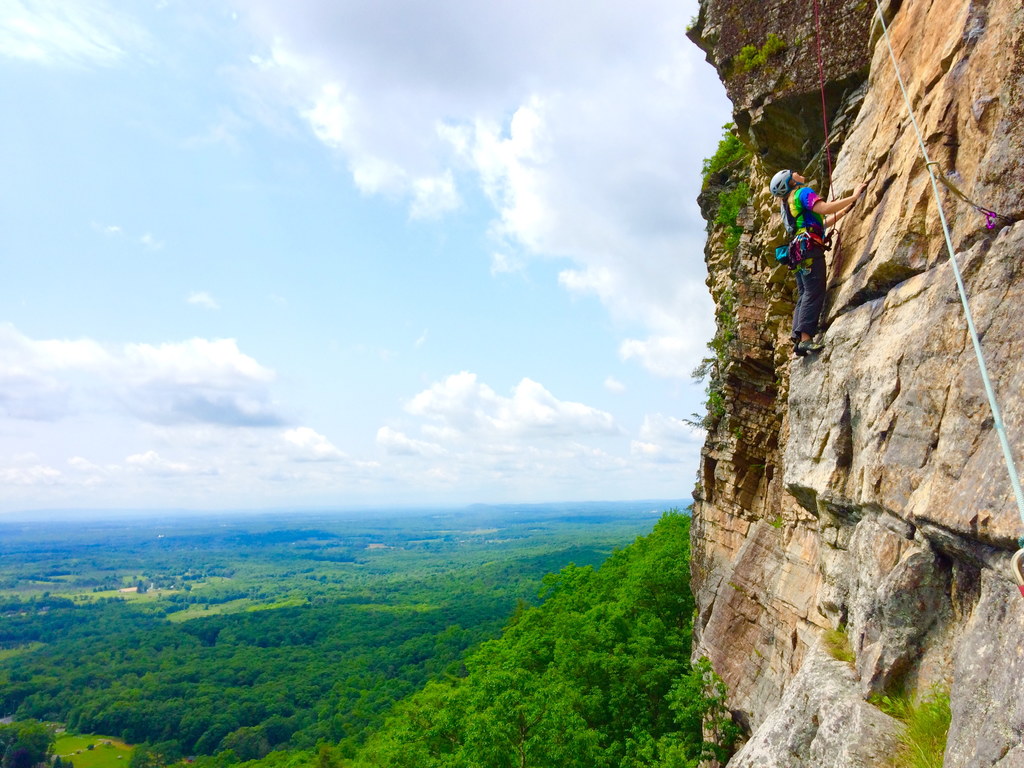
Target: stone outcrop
(821,722)
(865,487)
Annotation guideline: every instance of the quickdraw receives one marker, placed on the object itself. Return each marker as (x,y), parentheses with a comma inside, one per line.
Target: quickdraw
(991,217)
(1017,566)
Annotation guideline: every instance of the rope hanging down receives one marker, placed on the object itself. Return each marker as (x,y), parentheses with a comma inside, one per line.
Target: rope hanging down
(997,417)
(837,254)
(821,81)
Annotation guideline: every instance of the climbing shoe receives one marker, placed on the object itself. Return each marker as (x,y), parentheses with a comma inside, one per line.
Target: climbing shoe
(805,347)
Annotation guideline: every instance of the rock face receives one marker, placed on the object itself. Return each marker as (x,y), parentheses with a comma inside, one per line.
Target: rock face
(865,487)
(821,722)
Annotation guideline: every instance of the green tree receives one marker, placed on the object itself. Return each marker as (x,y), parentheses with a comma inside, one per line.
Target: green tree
(247,743)
(699,704)
(24,744)
(585,680)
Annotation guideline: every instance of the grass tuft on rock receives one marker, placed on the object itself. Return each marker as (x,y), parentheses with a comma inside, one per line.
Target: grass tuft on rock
(837,642)
(926,725)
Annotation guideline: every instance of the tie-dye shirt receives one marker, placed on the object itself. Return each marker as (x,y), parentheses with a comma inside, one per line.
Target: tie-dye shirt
(800,204)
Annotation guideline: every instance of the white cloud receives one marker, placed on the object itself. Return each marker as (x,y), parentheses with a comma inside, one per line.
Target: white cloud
(469,407)
(58,33)
(199,380)
(150,462)
(434,196)
(668,356)
(194,381)
(305,444)
(503,264)
(511,171)
(83,465)
(202,299)
(591,156)
(329,115)
(108,229)
(146,240)
(614,386)
(37,377)
(396,442)
(35,475)
(667,440)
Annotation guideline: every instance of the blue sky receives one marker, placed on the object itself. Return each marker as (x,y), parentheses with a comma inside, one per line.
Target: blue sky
(330,253)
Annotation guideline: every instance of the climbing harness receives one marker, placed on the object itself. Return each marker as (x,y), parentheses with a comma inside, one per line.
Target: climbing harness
(997,418)
(801,249)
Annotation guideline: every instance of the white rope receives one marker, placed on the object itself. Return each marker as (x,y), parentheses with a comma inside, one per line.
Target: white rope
(992,403)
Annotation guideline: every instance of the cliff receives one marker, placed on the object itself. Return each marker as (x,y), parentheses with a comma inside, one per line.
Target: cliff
(863,489)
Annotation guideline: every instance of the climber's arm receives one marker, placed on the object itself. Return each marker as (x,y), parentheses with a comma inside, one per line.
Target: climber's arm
(839,206)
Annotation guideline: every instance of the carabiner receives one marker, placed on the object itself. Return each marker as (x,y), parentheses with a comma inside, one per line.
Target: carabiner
(1017,567)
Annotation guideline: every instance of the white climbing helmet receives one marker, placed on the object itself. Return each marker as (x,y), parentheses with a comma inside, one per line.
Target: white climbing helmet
(780,183)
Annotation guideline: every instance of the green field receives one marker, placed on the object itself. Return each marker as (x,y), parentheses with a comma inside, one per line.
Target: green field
(106,752)
(199,611)
(7,653)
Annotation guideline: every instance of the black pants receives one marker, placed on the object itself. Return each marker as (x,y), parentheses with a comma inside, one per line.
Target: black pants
(811,285)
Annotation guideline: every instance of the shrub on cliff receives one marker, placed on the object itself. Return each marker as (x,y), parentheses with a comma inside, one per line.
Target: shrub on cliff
(731,151)
(751,57)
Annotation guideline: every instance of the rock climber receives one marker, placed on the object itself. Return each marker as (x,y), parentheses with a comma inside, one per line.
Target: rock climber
(806,217)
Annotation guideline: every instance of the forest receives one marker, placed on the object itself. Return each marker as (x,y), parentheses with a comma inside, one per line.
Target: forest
(519,637)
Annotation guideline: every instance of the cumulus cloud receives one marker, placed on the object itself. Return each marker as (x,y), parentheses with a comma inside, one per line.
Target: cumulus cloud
(193,381)
(37,378)
(35,475)
(152,463)
(667,440)
(434,196)
(54,33)
(463,436)
(305,444)
(668,356)
(466,406)
(614,386)
(396,442)
(593,158)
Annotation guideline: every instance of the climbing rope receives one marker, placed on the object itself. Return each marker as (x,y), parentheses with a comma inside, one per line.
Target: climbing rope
(821,81)
(838,252)
(993,404)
